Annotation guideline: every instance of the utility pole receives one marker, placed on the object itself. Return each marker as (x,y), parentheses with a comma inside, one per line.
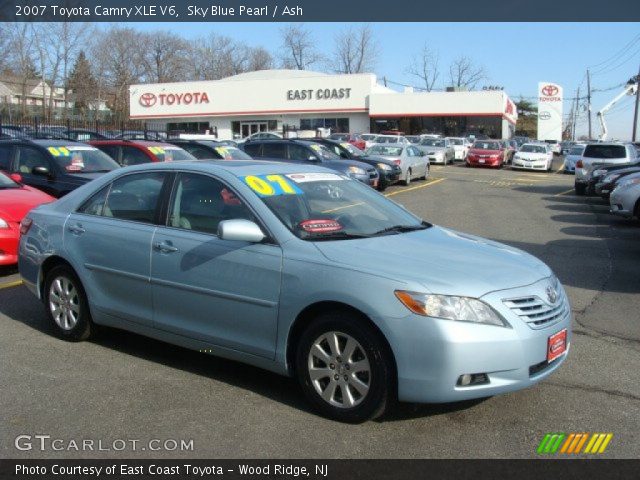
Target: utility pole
(589,100)
(635,113)
(575,113)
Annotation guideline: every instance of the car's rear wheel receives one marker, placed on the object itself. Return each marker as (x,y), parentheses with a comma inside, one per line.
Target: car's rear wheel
(66,304)
(407,179)
(344,368)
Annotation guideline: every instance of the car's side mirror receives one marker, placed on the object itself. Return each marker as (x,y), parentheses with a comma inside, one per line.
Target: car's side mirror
(240,230)
(16,177)
(42,171)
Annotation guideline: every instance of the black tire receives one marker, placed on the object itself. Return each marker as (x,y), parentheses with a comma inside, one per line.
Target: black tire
(382,186)
(380,377)
(83,327)
(407,179)
(580,189)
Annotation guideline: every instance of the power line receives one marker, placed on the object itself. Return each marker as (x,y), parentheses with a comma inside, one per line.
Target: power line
(620,52)
(610,68)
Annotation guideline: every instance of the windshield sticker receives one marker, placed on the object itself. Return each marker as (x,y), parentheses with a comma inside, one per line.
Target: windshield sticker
(345,145)
(314,177)
(156,150)
(59,151)
(270,185)
(320,226)
(316,148)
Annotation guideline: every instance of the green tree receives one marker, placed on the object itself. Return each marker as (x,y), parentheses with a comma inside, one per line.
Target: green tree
(82,84)
(527,118)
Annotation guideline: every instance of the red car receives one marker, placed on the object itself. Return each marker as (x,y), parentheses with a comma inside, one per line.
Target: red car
(134,152)
(486,153)
(16,200)
(355,140)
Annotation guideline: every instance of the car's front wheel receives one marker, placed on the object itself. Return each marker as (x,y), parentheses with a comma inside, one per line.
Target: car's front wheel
(66,304)
(344,368)
(407,179)
(580,188)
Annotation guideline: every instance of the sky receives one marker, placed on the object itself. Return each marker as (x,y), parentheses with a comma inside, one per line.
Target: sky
(514,55)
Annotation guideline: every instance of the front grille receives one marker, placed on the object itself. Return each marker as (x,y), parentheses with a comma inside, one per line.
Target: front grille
(535,312)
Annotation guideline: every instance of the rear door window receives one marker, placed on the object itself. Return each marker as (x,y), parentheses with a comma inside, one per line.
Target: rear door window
(272,150)
(134,197)
(253,149)
(133,156)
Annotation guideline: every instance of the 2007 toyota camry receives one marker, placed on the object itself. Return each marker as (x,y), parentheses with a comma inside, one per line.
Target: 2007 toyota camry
(302,271)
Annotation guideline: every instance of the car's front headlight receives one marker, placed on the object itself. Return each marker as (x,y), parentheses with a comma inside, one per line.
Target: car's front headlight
(3,224)
(517,157)
(357,170)
(383,166)
(462,309)
(628,183)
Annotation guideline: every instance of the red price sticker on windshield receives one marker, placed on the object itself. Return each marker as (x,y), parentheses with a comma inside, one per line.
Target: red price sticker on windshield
(320,226)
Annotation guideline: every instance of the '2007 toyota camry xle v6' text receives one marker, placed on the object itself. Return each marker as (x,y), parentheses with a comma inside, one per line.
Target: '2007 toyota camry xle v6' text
(300,270)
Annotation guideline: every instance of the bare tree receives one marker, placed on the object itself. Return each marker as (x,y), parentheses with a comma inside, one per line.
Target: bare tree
(298,48)
(259,59)
(214,57)
(21,52)
(356,51)
(464,73)
(165,56)
(425,66)
(118,62)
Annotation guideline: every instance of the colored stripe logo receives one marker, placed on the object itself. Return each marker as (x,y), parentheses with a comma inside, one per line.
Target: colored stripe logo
(574,443)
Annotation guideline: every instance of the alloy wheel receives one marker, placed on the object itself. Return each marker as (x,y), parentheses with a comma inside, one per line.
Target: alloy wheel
(64,302)
(339,369)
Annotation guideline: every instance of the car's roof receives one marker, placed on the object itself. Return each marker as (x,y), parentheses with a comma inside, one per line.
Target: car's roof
(121,141)
(237,168)
(50,143)
(399,145)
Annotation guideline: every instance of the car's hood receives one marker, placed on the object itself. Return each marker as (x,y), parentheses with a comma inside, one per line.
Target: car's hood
(343,165)
(443,260)
(15,203)
(86,177)
(429,148)
(531,155)
(375,159)
(485,152)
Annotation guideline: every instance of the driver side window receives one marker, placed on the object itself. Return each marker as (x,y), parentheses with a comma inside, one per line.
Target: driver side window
(29,158)
(200,203)
(298,152)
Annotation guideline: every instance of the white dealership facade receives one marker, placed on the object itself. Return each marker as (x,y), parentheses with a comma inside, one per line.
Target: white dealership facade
(270,100)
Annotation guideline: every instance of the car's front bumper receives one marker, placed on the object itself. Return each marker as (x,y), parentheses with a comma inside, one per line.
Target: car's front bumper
(460,155)
(437,159)
(484,162)
(529,164)
(432,354)
(621,205)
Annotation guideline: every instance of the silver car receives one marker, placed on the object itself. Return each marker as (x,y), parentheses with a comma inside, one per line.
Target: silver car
(302,271)
(573,155)
(413,163)
(601,154)
(439,150)
(625,198)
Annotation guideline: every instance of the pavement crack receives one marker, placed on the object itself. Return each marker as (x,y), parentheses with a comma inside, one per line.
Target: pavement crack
(588,388)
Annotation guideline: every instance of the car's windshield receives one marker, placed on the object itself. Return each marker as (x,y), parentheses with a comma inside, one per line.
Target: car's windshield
(82,159)
(533,149)
(6,182)
(230,153)
(339,136)
(323,152)
(576,150)
(456,141)
(354,151)
(413,138)
(486,146)
(605,151)
(384,150)
(432,142)
(330,206)
(169,153)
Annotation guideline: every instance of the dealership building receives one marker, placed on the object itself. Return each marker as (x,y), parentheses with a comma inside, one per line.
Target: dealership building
(274,100)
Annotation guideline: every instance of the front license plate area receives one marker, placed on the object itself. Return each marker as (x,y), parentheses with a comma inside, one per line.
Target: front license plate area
(556,345)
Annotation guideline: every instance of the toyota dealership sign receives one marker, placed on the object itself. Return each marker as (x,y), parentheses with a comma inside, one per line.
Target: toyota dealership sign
(549,111)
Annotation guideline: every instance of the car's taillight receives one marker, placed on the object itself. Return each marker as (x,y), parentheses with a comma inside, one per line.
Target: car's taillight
(25,225)
(397,161)
(579,164)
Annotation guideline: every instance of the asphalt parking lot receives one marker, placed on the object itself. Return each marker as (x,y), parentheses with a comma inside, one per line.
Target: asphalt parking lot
(123,386)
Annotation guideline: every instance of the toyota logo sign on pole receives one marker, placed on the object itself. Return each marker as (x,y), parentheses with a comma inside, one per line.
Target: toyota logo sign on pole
(549,111)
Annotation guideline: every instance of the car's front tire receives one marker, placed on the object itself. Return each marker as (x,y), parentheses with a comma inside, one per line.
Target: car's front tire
(344,368)
(66,304)
(580,189)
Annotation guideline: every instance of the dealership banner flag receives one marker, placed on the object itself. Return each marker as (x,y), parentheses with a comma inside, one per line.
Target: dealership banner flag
(549,111)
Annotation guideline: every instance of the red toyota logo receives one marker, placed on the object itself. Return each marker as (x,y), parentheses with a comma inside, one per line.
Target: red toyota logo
(148,99)
(549,90)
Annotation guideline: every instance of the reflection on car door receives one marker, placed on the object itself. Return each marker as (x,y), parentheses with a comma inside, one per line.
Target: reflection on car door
(220,292)
(109,240)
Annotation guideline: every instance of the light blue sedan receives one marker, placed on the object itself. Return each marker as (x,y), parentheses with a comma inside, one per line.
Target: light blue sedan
(302,271)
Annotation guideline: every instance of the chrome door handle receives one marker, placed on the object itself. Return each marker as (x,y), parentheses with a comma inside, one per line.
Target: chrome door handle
(165,247)
(77,229)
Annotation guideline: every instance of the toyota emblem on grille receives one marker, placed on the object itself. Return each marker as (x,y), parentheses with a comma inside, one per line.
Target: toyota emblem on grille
(148,99)
(552,294)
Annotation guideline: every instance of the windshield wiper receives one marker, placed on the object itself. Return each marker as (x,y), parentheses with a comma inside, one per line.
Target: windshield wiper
(402,229)
(335,236)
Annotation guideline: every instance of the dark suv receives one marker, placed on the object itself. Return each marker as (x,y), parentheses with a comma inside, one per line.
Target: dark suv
(302,151)
(53,166)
